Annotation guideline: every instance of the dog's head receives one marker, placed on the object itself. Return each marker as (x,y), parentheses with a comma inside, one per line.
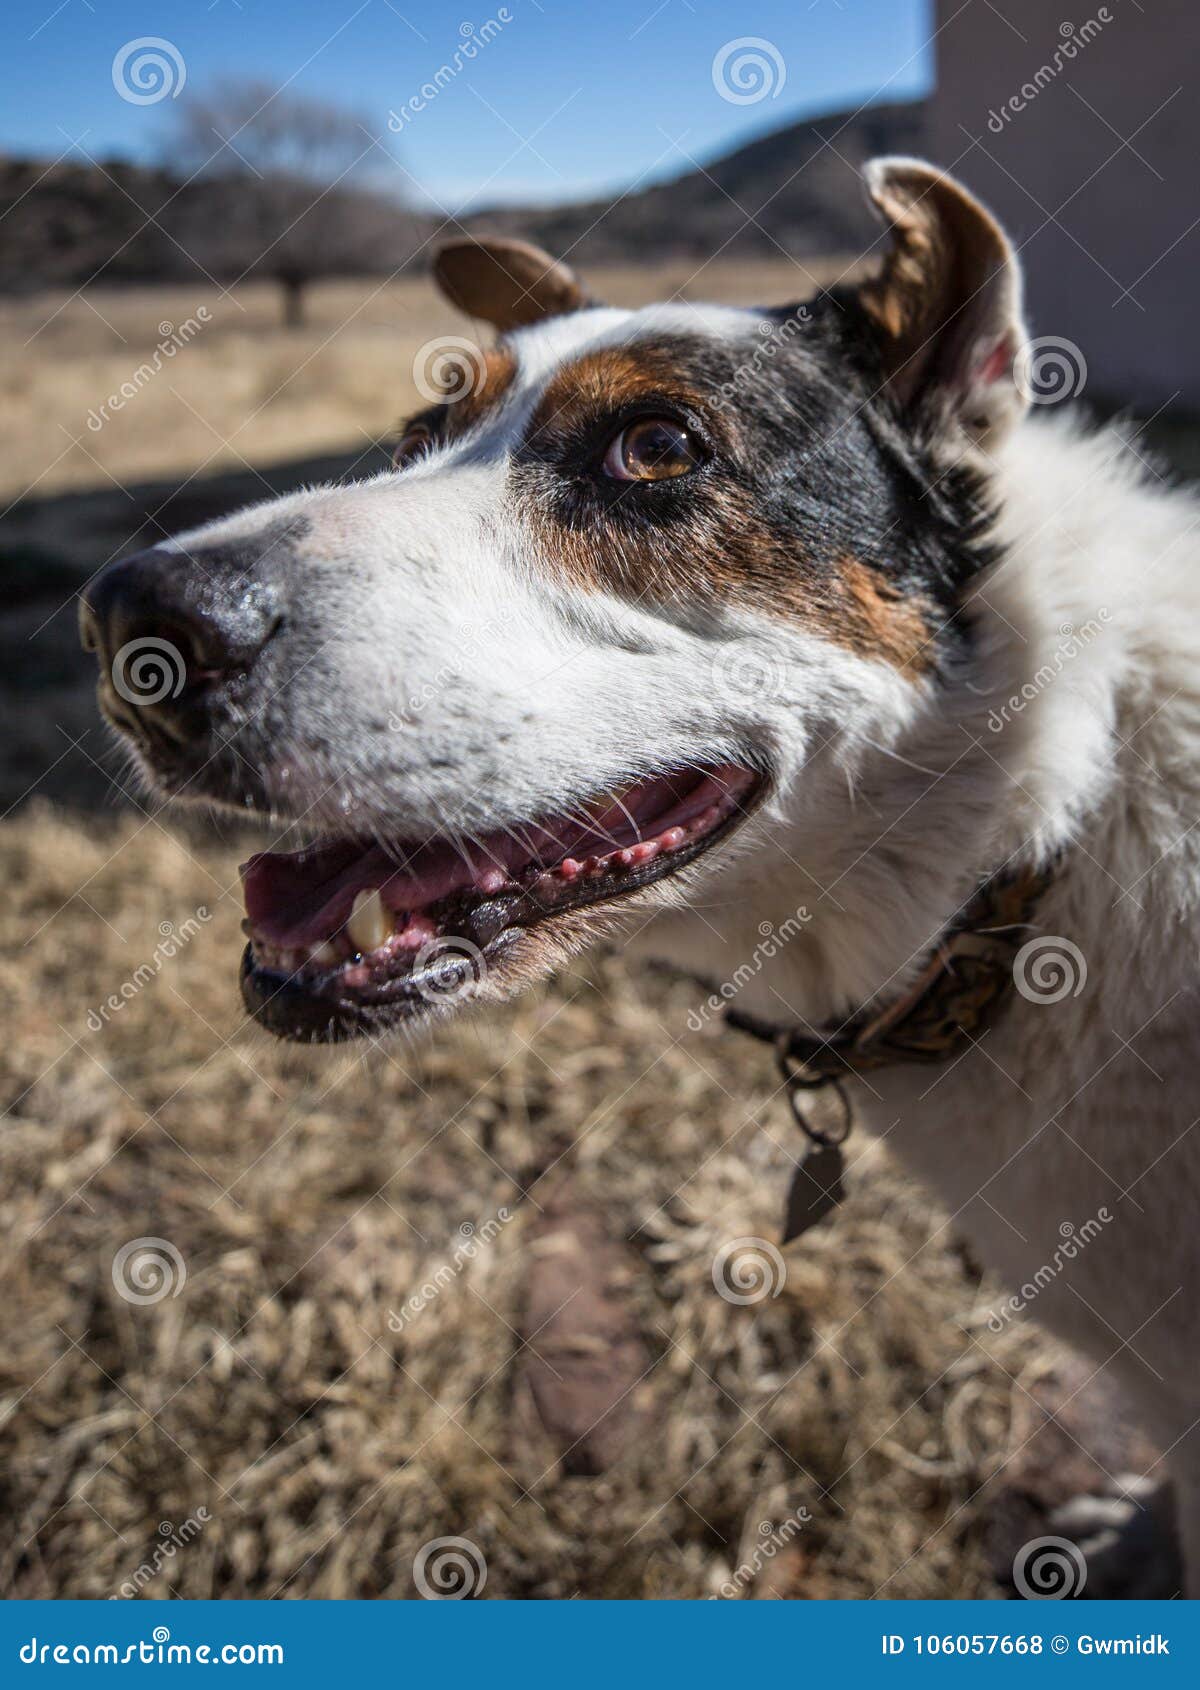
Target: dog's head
(629,569)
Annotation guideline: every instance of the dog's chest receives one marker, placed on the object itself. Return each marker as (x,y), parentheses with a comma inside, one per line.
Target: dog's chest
(1073,1176)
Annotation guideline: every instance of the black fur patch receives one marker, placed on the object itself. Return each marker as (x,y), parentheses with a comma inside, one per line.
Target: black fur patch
(816,496)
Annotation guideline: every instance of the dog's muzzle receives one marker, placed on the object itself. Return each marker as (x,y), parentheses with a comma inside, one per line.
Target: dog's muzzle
(171,631)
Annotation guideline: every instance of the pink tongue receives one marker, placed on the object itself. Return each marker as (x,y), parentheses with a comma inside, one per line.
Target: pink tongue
(302,897)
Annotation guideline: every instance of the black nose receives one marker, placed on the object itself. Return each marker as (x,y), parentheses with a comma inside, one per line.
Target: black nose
(168,626)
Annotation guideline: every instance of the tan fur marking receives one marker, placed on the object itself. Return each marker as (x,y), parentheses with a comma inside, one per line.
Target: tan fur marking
(499,369)
(605,381)
(883,623)
(725,553)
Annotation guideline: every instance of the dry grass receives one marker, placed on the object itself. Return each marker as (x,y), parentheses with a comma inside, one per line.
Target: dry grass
(309,1193)
(245,391)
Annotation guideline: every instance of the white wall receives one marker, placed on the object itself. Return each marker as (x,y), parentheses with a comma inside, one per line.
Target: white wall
(1094,216)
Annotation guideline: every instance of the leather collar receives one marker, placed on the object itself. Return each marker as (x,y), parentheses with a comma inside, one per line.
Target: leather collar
(967,976)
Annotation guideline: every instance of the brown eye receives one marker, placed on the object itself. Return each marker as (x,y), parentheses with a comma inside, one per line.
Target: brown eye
(415,444)
(652,449)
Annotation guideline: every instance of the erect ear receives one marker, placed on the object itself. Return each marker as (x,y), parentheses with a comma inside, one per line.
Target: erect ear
(508,283)
(947,302)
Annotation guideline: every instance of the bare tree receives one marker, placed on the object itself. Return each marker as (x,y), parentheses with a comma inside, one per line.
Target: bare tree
(283,187)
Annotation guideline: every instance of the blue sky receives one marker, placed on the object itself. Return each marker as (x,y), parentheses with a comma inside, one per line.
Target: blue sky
(566,99)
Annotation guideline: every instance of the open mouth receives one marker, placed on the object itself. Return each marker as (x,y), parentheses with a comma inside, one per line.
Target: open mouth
(350,935)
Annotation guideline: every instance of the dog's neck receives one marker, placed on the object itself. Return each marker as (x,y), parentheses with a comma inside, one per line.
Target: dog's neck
(838,907)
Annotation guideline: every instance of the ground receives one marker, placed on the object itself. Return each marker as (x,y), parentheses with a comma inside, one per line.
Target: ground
(394,1282)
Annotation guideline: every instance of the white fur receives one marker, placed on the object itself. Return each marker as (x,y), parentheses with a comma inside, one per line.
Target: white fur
(1052,1117)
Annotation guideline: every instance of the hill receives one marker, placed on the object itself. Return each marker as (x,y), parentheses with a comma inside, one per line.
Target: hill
(793,189)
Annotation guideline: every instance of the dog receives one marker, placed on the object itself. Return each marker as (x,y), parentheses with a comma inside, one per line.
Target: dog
(669,624)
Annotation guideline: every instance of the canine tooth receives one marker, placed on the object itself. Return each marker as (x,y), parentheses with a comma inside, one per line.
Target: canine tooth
(325,953)
(370,924)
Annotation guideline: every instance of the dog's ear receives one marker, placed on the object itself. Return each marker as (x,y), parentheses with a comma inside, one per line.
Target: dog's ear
(507,283)
(947,302)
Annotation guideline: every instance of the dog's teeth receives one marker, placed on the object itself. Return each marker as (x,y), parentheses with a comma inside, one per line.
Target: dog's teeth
(370,924)
(326,954)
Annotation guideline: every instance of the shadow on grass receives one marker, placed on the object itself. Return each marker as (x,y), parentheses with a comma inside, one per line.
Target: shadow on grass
(57,747)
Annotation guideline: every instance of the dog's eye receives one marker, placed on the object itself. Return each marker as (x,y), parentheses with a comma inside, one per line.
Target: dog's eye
(651,449)
(415,444)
